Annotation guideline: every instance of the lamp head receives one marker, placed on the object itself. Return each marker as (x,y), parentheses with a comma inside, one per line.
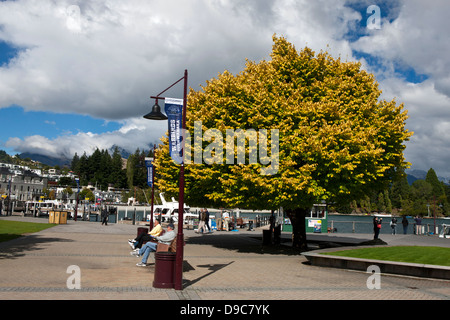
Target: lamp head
(156,113)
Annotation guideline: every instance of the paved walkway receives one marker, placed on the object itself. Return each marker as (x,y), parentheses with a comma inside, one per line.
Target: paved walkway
(218,266)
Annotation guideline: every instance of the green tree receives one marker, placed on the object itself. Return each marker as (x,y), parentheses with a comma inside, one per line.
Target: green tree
(82,169)
(387,201)
(136,170)
(66,181)
(400,191)
(421,189)
(117,175)
(86,194)
(381,202)
(436,185)
(74,162)
(337,140)
(421,192)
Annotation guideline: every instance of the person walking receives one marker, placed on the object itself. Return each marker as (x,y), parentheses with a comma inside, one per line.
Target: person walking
(207,220)
(104,216)
(219,220)
(226,220)
(405,224)
(201,223)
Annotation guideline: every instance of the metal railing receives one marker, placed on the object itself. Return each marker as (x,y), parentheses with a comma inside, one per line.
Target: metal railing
(367,227)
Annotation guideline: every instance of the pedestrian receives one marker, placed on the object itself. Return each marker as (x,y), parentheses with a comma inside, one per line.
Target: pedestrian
(405,224)
(226,220)
(394,225)
(219,220)
(207,220)
(376,227)
(104,216)
(201,222)
(418,221)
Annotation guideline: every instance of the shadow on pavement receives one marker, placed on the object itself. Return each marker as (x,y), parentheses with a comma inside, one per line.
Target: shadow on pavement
(16,248)
(243,244)
(212,268)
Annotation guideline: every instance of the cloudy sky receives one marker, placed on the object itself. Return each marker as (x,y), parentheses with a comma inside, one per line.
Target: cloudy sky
(78,74)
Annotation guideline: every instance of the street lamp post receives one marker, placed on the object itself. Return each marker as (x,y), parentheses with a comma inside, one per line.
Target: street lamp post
(153,188)
(157,115)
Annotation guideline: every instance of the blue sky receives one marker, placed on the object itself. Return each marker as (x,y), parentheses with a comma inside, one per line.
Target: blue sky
(16,122)
(75,76)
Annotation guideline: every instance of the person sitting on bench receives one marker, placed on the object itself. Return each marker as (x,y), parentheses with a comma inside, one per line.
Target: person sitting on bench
(166,239)
(144,237)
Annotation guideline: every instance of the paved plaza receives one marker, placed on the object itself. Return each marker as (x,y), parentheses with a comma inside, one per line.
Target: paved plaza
(217,266)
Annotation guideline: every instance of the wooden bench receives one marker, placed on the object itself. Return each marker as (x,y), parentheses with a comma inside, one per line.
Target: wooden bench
(162,247)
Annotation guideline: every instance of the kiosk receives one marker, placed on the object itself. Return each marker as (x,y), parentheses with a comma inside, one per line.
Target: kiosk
(315,222)
(445,232)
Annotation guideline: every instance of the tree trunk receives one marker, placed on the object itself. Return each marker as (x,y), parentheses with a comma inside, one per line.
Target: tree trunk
(297,217)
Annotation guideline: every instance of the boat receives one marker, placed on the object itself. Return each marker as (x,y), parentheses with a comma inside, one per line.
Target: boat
(168,211)
(382,215)
(445,231)
(42,207)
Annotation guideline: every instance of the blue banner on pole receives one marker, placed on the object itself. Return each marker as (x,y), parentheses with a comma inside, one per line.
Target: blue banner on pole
(149,165)
(174,112)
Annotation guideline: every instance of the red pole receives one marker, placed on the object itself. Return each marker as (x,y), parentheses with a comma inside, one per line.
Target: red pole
(180,240)
(153,187)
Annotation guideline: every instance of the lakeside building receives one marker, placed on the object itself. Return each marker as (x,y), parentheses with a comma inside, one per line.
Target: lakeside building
(21,185)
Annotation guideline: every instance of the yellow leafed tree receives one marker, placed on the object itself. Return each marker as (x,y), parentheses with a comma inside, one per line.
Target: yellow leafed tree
(337,140)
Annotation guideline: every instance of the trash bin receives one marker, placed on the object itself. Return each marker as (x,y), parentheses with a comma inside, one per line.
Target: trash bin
(277,234)
(62,217)
(164,270)
(51,217)
(267,237)
(57,217)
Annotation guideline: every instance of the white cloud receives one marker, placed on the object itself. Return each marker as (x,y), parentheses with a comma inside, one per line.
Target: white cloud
(418,40)
(105,58)
(429,119)
(134,133)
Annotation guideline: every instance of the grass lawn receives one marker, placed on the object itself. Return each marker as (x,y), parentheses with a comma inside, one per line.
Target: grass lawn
(13,229)
(412,254)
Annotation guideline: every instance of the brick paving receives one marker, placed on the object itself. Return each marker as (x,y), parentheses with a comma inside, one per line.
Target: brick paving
(218,266)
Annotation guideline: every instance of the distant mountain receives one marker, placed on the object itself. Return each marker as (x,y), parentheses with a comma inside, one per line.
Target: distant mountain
(64,161)
(410,179)
(124,153)
(418,174)
(413,175)
(50,161)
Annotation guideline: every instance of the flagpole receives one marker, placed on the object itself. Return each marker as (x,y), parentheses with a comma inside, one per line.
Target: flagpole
(180,238)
